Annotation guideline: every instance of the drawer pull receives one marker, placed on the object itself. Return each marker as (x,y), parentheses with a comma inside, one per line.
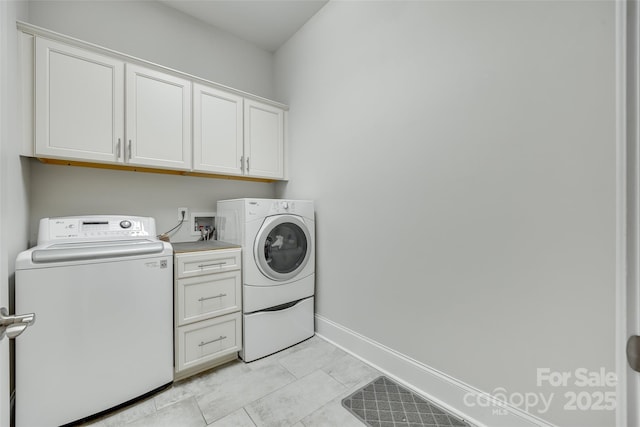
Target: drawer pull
(215,296)
(212,265)
(202,343)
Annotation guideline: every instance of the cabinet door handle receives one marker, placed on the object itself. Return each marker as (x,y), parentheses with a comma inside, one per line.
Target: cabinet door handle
(215,296)
(247,164)
(118,149)
(242,164)
(203,343)
(212,264)
(129,149)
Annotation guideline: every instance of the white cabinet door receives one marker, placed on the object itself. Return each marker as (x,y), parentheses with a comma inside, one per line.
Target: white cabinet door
(79,103)
(208,341)
(210,295)
(206,262)
(217,131)
(158,120)
(264,140)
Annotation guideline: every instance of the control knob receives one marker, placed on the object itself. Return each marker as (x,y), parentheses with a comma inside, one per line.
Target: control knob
(125,224)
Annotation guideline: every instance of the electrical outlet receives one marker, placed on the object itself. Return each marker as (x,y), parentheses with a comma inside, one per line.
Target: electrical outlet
(186,214)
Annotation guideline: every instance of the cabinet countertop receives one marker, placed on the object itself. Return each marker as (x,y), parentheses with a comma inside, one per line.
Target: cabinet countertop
(201,245)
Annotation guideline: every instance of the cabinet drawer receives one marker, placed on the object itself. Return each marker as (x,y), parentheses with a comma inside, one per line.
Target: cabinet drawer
(202,297)
(201,342)
(198,263)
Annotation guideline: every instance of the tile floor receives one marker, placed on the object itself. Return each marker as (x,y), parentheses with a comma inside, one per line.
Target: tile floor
(301,386)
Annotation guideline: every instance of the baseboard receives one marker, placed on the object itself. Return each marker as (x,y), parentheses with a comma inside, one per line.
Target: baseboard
(443,389)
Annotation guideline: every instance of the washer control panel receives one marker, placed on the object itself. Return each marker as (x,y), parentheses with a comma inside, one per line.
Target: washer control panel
(95,227)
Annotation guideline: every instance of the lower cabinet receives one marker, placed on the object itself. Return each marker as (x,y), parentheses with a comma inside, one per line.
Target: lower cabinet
(208,343)
(208,310)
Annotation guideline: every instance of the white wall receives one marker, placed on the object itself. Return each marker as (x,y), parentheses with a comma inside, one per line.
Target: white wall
(462,158)
(154,32)
(14,178)
(66,190)
(14,171)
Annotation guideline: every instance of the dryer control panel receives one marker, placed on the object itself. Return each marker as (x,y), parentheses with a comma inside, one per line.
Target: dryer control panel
(259,208)
(267,207)
(283,206)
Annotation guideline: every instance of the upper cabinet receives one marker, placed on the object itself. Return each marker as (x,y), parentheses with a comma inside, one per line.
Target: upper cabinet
(93,105)
(80,110)
(217,131)
(158,120)
(79,104)
(236,136)
(263,139)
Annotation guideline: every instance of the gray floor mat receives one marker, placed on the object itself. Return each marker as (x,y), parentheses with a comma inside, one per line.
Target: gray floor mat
(385,403)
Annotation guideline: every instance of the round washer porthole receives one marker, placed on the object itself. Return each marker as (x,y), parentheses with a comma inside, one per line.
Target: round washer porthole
(282,247)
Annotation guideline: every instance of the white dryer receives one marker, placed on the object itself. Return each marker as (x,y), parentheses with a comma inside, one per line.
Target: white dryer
(278,247)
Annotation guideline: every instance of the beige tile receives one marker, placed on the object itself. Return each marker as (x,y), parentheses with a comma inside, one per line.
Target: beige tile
(332,414)
(243,390)
(351,371)
(290,404)
(267,388)
(239,418)
(315,355)
(129,414)
(200,384)
(185,413)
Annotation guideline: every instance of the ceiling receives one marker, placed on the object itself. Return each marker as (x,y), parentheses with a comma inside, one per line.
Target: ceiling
(265,23)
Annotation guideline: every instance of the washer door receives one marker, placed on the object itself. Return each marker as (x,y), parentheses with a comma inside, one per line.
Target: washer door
(282,247)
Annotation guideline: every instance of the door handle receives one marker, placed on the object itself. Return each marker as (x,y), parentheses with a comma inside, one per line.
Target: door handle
(13,325)
(633,352)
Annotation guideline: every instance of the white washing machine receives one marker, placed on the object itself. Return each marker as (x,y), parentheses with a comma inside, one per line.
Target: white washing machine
(278,267)
(101,287)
